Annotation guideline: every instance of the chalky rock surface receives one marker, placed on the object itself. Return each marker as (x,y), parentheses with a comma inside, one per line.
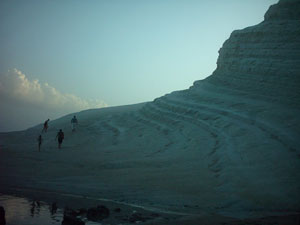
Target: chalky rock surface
(228,144)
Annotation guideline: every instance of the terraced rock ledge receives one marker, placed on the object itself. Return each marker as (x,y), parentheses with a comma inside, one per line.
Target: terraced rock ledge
(229,144)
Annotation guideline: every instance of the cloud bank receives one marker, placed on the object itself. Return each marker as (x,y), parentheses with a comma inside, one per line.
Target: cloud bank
(34,100)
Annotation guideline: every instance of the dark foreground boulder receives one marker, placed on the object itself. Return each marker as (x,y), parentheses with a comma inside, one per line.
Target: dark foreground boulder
(98,213)
(82,211)
(70,218)
(2,216)
(117,210)
(138,217)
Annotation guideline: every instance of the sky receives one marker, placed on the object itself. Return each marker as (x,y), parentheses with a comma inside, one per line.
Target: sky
(59,57)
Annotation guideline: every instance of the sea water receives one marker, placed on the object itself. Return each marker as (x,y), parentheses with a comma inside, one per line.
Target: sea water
(23,211)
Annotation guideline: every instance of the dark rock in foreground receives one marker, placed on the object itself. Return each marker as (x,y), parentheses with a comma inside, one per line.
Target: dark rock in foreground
(97,214)
(117,210)
(137,218)
(2,216)
(70,218)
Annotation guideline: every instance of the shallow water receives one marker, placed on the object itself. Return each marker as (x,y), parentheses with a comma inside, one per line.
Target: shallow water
(20,211)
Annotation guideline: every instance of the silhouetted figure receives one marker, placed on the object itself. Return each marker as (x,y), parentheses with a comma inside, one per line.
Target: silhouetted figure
(32,209)
(40,142)
(2,216)
(60,137)
(74,123)
(53,208)
(38,207)
(45,126)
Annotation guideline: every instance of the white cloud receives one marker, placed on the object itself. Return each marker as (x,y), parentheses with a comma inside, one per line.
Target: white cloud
(15,85)
(25,102)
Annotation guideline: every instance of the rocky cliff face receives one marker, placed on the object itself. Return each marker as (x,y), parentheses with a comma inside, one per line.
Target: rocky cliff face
(264,59)
(250,106)
(228,144)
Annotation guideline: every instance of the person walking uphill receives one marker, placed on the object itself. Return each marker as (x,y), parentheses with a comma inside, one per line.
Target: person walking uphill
(40,142)
(45,126)
(60,137)
(74,123)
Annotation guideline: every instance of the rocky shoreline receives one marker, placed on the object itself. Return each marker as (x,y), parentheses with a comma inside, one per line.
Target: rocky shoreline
(77,211)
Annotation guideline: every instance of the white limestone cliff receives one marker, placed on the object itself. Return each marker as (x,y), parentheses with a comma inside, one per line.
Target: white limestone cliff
(229,144)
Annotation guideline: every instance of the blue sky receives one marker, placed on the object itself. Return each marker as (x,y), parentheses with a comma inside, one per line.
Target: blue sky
(118,51)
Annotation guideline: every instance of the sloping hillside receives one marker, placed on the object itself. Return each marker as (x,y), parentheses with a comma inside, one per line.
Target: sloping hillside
(228,144)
